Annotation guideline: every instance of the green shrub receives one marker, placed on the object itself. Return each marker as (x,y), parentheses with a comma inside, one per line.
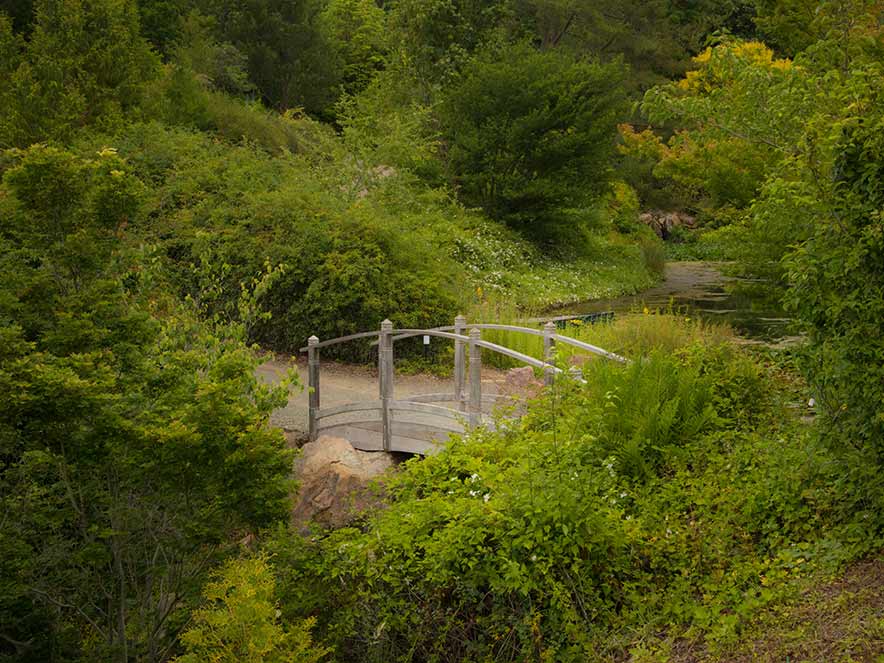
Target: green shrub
(180,98)
(624,208)
(241,621)
(660,493)
(528,134)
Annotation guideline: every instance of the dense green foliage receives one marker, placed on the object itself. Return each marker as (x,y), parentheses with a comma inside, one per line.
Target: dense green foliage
(528,135)
(186,183)
(134,438)
(243,623)
(669,492)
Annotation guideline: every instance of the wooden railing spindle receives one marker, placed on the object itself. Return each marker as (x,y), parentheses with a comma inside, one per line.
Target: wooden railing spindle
(475,378)
(313,386)
(385,375)
(460,323)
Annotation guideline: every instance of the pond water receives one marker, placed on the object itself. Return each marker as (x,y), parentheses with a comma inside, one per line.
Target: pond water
(701,289)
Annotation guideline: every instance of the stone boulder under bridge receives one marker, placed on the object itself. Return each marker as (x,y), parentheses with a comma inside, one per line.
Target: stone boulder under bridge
(336,481)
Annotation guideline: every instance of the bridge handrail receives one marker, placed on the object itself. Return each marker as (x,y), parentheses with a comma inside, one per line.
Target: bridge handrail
(527,330)
(443,332)
(591,348)
(526,359)
(340,339)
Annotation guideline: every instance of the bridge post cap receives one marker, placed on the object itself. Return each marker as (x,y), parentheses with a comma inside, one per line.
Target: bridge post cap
(313,340)
(475,332)
(386,324)
(550,326)
(460,320)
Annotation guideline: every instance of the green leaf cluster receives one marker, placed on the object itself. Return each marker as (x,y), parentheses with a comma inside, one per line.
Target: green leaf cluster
(134,438)
(664,494)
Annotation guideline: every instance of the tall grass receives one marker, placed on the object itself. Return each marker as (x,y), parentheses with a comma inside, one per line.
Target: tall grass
(653,254)
(632,335)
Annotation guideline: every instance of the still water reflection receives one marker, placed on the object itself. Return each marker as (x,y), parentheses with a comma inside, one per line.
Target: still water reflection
(700,288)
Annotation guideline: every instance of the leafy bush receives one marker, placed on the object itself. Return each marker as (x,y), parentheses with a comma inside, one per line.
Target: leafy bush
(179,98)
(528,135)
(158,426)
(624,208)
(837,289)
(540,539)
(241,621)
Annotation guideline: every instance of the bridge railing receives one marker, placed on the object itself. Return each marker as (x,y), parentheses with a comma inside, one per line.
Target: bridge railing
(395,425)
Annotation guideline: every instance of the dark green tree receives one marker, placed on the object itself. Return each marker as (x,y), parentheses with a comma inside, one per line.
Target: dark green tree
(134,445)
(355,30)
(529,134)
(438,36)
(289,58)
(84,64)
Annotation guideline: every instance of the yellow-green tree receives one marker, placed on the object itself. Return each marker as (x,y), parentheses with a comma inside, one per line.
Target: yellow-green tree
(240,622)
(84,64)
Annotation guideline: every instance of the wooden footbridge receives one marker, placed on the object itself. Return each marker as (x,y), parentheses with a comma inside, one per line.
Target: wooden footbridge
(418,423)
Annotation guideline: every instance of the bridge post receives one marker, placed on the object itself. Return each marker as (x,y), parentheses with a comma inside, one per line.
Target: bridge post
(549,348)
(460,323)
(313,385)
(385,375)
(475,378)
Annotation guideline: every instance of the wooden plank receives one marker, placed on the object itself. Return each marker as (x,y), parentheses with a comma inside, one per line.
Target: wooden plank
(313,386)
(426,408)
(372,440)
(549,349)
(361,438)
(433,398)
(360,423)
(475,404)
(429,422)
(449,398)
(359,406)
(413,446)
(385,373)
